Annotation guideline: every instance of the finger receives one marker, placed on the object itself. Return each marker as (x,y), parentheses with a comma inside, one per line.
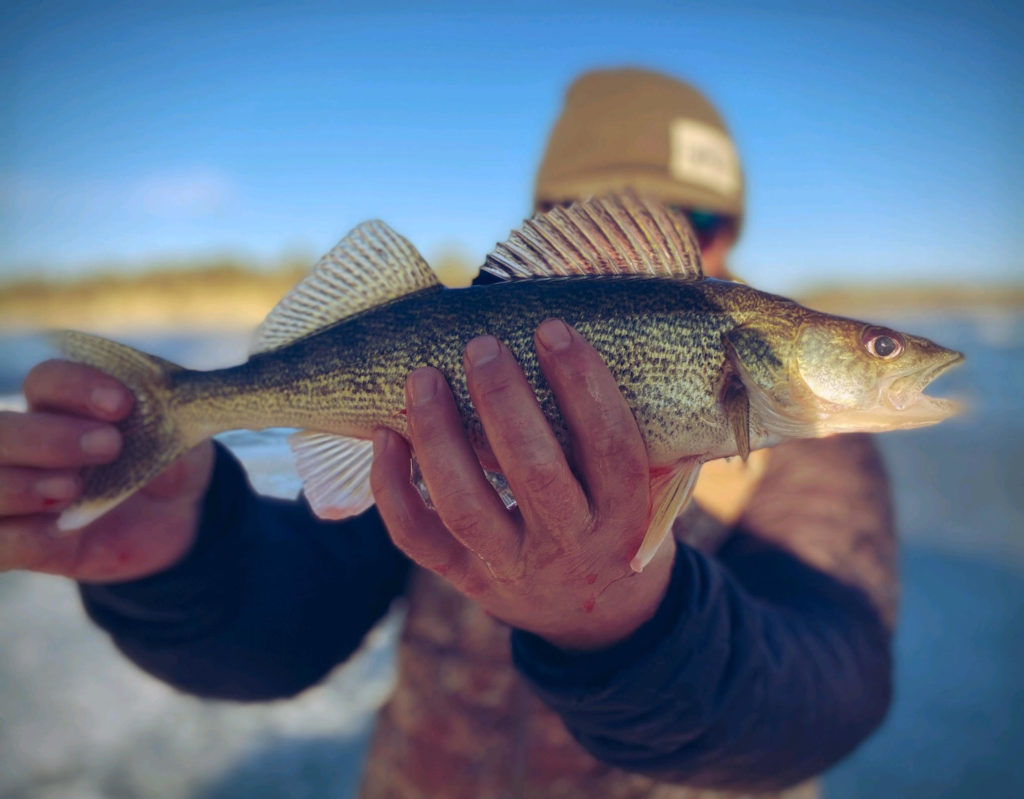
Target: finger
(78,389)
(607,446)
(549,496)
(29,542)
(24,491)
(465,501)
(415,530)
(50,440)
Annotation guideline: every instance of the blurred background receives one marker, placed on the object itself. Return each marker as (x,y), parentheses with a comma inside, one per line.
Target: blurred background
(167,171)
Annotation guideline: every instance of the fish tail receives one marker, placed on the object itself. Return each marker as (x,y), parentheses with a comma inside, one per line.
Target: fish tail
(151,434)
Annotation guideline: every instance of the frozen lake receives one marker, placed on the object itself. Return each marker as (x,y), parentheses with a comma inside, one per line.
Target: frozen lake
(77,721)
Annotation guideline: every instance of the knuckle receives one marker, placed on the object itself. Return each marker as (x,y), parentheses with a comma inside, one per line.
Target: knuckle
(532,444)
(509,572)
(450,567)
(543,478)
(495,388)
(610,438)
(462,517)
(564,522)
(607,443)
(472,585)
(611,451)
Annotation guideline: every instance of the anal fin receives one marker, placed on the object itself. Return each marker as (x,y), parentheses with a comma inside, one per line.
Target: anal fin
(670,493)
(335,472)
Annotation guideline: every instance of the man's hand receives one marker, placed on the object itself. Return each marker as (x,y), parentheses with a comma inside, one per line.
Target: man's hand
(70,424)
(558,566)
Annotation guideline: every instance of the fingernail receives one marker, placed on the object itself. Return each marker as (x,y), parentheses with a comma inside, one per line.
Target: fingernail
(101,441)
(554,334)
(108,399)
(482,349)
(381,439)
(422,386)
(57,487)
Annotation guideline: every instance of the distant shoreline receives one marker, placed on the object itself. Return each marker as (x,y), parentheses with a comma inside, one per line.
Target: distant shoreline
(231,297)
(903,299)
(203,298)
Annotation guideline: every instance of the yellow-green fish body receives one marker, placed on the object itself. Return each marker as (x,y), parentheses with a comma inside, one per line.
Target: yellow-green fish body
(663,339)
(710,368)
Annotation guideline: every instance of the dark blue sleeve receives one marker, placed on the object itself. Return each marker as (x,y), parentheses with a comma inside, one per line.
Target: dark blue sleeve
(268,600)
(756,672)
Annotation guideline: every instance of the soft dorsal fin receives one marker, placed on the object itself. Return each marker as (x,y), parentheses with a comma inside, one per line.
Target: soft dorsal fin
(615,234)
(368,267)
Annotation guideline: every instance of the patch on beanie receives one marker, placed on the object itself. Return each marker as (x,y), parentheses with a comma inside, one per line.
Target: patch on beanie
(702,155)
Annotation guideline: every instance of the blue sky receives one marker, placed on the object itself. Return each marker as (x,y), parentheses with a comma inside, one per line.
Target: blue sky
(877,144)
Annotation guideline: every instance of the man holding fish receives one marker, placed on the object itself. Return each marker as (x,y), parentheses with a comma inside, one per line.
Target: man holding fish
(748,651)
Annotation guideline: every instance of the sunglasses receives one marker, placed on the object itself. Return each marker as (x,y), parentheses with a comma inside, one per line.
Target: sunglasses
(706,224)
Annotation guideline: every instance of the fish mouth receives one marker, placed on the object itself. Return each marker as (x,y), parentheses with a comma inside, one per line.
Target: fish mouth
(905,395)
(905,391)
(902,404)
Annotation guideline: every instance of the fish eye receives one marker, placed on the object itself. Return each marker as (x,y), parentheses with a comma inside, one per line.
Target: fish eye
(882,343)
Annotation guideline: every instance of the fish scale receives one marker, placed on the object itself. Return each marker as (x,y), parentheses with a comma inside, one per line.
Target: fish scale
(661,338)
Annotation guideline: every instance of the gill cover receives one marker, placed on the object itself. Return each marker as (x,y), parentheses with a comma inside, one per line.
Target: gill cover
(760,356)
(835,366)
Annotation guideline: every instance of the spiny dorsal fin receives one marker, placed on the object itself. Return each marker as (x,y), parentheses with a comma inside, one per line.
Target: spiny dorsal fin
(615,234)
(368,267)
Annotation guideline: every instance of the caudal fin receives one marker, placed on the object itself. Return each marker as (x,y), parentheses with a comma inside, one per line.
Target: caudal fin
(151,436)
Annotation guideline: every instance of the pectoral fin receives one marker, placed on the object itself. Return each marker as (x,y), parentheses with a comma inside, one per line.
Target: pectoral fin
(737,409)
(670,493)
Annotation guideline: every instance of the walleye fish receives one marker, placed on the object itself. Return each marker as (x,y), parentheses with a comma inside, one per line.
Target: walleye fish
(710,368)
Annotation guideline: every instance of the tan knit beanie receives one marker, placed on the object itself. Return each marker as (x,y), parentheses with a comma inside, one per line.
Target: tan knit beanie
(645,130)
